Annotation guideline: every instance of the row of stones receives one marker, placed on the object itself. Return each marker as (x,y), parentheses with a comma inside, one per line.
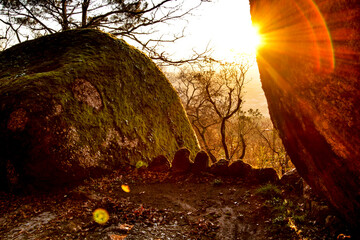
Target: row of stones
(182,164)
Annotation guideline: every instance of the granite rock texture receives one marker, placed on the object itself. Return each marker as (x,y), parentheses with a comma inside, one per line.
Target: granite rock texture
(309,67)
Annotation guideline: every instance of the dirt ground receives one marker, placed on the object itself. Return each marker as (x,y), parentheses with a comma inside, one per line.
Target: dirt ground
(159,206)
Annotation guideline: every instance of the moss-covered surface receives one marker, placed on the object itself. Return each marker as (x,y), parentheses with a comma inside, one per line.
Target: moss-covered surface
(140,115)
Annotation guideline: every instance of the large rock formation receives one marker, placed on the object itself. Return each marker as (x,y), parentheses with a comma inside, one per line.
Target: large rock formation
(80,101)
(310,72)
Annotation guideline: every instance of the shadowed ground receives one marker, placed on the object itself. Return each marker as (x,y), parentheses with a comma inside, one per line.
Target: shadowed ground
(161,206)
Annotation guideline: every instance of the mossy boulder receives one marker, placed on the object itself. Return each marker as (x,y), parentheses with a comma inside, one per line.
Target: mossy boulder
(81,101)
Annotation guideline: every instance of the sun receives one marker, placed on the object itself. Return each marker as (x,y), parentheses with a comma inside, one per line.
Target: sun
(250,40)
(255,37)
(245,42)
(230,34)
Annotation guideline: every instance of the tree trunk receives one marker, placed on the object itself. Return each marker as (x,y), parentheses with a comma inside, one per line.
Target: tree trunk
(212,157)
(222,132)
(65,23)
(85,6)
(243,143)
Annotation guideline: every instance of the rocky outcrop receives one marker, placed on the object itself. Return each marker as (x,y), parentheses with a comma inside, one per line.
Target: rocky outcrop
(310,72)
(220,168)
(182,165)
(201,162)
(240,169)
(81,102)
(181,162)
(159,164)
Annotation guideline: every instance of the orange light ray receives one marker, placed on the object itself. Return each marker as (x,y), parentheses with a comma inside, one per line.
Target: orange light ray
(306,34)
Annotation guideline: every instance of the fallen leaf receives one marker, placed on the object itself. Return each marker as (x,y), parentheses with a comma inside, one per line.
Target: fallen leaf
(117,237)
(126,227)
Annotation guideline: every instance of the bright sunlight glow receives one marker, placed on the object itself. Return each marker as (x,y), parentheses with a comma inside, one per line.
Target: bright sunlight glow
(255,40)
(232,31)
(245,43)
(227,31)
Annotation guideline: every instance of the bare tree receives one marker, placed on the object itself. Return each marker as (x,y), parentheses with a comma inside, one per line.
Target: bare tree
(129,19)
(225,94)
(201,115)
(212,95)
(5,38)
(244,124)
(279,157)
(207,85)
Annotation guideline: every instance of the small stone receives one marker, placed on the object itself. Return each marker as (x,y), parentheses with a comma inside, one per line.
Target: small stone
(220,168)
(240,169)
(201,162)
(159,164)
(292,181)
(181,162)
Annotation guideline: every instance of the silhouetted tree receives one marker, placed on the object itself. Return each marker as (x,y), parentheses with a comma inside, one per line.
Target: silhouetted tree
(244,124)
(225,94)
(200,112)
(130,19)
(4,38)
(212,94)
(279,157)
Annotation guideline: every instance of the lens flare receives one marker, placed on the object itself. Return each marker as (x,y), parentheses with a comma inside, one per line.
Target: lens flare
(125,188)
(101,216)
(295,29)
(141,164)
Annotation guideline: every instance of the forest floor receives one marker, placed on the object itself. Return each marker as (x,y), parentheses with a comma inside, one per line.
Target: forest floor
(163,206)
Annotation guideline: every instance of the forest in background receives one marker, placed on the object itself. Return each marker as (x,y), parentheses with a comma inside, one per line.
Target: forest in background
(213,95)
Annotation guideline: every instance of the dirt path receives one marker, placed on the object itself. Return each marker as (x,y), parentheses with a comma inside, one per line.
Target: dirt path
(158,206)
(232,210)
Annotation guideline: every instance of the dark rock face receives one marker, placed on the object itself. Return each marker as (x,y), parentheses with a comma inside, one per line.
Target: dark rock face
(181,162)
(264,175)
(159,164)
(220,168)
(82,102)
(240,169)
(201,162)
(310,72)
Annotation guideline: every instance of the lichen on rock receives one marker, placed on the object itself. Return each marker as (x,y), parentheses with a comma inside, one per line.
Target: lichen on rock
(85,92)
(82,101)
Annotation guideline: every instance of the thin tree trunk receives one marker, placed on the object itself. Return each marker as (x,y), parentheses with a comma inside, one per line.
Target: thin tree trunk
(243,143)
(212,157)
(65,23)
(85,6)
(223,137)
